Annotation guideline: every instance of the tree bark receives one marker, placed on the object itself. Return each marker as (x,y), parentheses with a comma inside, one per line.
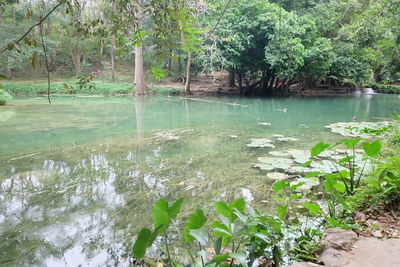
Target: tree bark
(139,69)
(188,66)
(113,58)
(231,79)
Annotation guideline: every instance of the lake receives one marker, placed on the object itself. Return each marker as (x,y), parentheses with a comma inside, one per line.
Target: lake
(79,177)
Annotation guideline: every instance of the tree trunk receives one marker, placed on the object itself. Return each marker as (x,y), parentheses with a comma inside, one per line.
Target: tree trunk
(241,83)
(179,64)
(139,69)
(113,58)
(232,79)
(188,66)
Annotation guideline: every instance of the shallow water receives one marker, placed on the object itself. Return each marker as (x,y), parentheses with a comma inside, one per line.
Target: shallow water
(79,177)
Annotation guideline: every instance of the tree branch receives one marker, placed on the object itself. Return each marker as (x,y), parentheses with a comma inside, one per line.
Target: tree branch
(42,19)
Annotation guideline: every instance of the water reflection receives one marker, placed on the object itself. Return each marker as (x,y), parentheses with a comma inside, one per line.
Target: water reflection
(81,204)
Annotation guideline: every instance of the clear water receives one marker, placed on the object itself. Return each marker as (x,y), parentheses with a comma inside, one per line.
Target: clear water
(79,177)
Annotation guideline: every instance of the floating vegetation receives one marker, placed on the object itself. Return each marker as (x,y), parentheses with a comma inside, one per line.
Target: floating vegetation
(359,129)
(271,163)
(264,123)
(263,142)
(286,139)
(277,175)
(307,183)
(167,135)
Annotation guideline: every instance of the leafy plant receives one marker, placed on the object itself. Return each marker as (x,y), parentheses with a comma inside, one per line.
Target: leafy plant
(241,235)
(4,97)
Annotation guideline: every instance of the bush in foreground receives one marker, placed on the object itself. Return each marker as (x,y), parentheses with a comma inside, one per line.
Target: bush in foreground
(4,97)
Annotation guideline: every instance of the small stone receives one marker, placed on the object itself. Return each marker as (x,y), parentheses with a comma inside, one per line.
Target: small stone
(337,238)
(333,257)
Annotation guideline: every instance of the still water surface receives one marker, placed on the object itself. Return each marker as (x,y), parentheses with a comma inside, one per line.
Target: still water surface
(78,177)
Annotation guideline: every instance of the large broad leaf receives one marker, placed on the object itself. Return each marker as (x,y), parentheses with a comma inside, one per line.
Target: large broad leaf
(281,211)
(239,204)
(319,148)
(372,149)
(351,143)
(144,240)
(201,235)
(312,207)
(160,215)
(240,257)
(196,221)
(175,208)
(218,246)
(346,159)
(279,186)
(223,209)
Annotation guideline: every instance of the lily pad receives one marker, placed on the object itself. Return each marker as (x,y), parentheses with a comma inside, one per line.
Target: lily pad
(277,175)
(263,142)
(357,129)
(309,183)
(286,139)
(279,153)
(264,123)
(278,135)
(270,163)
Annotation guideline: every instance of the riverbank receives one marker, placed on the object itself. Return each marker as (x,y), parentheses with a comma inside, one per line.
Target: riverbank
(199,87)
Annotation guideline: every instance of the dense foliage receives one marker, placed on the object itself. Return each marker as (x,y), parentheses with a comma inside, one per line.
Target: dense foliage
(264,46)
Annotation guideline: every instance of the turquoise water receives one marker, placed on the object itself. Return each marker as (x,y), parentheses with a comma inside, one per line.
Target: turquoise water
(79,177)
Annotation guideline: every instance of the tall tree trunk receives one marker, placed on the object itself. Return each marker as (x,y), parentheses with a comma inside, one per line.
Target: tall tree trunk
(188,66)
(231,79)
(139,69)
(113,58)
(179,64)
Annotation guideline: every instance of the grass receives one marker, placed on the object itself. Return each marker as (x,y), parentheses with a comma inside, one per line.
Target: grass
(92,88)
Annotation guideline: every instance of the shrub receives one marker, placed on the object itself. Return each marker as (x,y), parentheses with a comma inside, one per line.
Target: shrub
(4,97)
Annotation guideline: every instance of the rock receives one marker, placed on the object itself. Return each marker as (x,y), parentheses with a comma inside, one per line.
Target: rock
(333,257)
(337,238)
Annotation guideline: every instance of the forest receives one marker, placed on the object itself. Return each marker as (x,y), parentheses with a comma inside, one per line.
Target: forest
(262,47)
(204,133)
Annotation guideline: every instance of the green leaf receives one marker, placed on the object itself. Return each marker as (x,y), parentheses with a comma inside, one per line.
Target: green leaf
(239,204)
(221,258)
(307,163)
(339,187)
(196,221)
(223,209)
(276,187)
(312,207)
(372,149)
(201,235)
(282,211)
(218,246)
(351,143)
(346,159)
(144,240)
(160,215)
(319,148)
(175,208)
